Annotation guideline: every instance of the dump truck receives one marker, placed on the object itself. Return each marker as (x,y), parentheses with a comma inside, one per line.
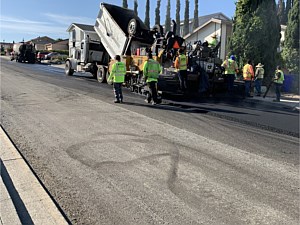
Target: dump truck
(122,32)
(24,52)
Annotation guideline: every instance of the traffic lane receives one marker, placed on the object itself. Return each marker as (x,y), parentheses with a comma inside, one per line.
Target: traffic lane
(277,119)
(140,170)
(185,116)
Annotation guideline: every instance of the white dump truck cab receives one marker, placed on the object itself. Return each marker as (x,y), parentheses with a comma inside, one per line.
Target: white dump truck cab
(86,57)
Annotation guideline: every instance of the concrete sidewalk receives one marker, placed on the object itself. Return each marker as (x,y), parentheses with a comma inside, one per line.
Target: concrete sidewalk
(287,100)
(23,200)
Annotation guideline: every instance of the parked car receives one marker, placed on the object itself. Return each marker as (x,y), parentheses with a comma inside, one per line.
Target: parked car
(51,54)
(41,55)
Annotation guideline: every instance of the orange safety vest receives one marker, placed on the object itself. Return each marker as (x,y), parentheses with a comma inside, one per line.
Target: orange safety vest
(248,72)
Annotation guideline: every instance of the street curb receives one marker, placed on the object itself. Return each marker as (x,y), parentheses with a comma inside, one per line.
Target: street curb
(280,104)
(31,201)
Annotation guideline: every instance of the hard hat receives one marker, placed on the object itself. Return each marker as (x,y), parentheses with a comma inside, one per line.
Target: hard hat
(232,57)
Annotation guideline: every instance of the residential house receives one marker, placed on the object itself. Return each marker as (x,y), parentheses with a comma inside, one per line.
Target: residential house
(40,42)
(79,32)
(6,46)
(58,45)
(209,25)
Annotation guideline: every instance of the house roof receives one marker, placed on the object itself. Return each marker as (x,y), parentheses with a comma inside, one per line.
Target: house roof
(219,15)
(203,19)
(42,40)
(207,19)
(60,42)
(83,27)
(65,41)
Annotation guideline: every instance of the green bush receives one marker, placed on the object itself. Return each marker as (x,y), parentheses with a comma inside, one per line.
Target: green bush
(58,59)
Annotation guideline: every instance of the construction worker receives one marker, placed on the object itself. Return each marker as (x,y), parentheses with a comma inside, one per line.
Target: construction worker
(248,75)
(278,80)
(213,42)
(151,71)
(181,65)
(231,68)
(117,76)
(259,76)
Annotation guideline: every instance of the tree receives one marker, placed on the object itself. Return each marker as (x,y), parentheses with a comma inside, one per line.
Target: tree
(168,17)
(196,20)
(135,7)
(186,29)
(177,17)
(157,12)
(125,4)
(281,12)
(147,12)
(288,7)
(290,52)
(256,33)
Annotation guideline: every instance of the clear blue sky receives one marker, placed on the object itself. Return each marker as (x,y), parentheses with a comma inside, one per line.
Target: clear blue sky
(29,19)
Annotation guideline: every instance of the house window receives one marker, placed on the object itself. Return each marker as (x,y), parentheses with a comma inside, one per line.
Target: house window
(73,37)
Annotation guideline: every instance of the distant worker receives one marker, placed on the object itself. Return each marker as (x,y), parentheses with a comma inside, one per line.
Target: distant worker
(231,68)
(151,71)
(278,80)
(259,76)
(117,76)
(181,65)
(213,42)
(248,75)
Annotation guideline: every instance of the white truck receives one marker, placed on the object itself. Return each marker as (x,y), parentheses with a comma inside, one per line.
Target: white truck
(87,57)
(112,28)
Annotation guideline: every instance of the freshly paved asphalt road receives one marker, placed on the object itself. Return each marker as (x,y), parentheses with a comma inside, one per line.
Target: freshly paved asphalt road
(136,164)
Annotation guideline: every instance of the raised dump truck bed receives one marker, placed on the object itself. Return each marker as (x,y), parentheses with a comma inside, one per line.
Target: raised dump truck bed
(118,28)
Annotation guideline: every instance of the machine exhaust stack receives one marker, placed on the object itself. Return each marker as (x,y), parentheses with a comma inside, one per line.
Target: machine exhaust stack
(174,25)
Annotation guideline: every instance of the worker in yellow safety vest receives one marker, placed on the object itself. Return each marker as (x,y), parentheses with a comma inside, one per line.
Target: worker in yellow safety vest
(117,76)
(248,75)
(151,71)
(278,80)
(213,42)
(231,68)
(181,65)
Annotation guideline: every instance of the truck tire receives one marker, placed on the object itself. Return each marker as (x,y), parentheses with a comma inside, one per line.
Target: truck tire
(133,27)
(68,69)
(101,74)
